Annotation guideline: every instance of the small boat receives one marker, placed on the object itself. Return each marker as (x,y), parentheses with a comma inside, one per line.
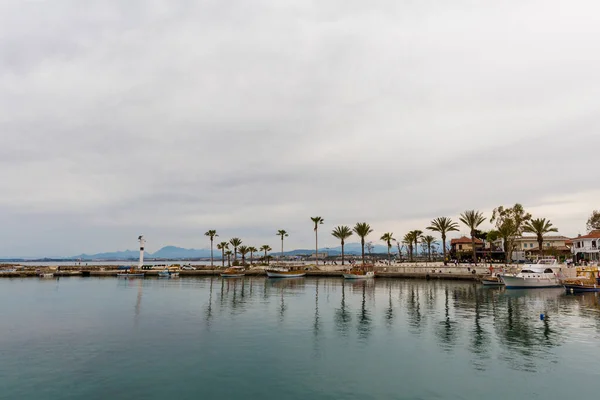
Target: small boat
(233,272)
(46,275)
(131,274)
(173,274)
(359,273)
(492,281)
(164,273)
(543,274)
(587,280)
(284,273)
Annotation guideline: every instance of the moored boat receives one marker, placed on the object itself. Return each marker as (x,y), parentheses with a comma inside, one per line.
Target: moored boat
(164,273)
(285,273)
(46,275)
(543,274)
(131,274)
(492,281)
(587,280)
(359,273)
(233,272)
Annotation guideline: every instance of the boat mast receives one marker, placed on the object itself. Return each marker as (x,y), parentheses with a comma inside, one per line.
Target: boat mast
(142,241)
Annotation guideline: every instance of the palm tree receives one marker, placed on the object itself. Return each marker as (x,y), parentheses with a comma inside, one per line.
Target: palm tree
(408,241)
(342,232)
(472,219)
(266,248)
(318,221)
(428,241)
(243,251)
(443,225)
(223,246)
(388,238)
(211,234)
(252,250)
(228,253)
(283,234)
(539,227)
(362,229)
(416,236)
(235,242)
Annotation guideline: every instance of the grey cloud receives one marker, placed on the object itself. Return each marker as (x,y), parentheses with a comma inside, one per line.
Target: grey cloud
(173,117)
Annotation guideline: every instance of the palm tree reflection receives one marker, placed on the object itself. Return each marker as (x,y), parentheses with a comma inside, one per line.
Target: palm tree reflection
(342,316)
(364,317)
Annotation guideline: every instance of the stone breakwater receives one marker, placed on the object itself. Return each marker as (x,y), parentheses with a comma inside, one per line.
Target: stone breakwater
(406,271)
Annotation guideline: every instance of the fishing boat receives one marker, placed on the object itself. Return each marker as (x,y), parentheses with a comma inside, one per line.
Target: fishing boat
(587,280)
(46,275)
(233,272)
(492,281)
(359,273)
(543,274)
(164,273)
(284,273)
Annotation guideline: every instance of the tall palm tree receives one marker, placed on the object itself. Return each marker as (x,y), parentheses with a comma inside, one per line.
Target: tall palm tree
(252,250)
(539,227)
(362,229)
(443,225)
(416,236)
(211,234)
(235,242)
(266,248)
(228,253)
(342,232)
(317,221)
(408,241)
(223,246)
(243,251)
(282,233)
(388,238)
(428,241)
(472,219)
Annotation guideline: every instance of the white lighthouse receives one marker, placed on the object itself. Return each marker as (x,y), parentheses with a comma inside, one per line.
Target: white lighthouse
(142,241)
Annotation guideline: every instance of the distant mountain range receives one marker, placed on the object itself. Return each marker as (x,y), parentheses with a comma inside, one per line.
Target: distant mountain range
(176,253)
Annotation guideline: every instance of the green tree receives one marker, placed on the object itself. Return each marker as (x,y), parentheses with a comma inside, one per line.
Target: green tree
(211,234)
(235,242)
(266,248)
(443,225)
(593,222)
(252,250)
(342,232)
(539,227)
(388,238)
(472,219)
(362,230)
(509,222)
(317,221)
(243,250)
(223,246)
(282,233)
(428,241)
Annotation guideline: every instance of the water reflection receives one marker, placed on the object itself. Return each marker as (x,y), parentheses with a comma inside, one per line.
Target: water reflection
(487,323)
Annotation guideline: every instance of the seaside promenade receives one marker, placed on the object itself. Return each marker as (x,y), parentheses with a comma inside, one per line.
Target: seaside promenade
(433,270)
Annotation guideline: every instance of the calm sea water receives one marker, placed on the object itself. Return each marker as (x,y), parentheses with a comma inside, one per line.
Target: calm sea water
(253,338)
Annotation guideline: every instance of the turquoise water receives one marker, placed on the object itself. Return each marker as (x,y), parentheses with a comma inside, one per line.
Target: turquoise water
(253,338)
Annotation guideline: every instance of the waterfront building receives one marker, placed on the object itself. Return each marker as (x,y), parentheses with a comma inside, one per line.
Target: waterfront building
(527,247)
(462,248)
(585,248)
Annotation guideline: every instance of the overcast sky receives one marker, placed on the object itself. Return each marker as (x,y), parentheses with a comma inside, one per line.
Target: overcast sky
(169,118)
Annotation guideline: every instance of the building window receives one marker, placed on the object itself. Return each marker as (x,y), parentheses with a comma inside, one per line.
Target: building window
(460,246)
(593,244)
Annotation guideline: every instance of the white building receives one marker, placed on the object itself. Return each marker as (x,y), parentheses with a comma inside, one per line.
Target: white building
(586,247)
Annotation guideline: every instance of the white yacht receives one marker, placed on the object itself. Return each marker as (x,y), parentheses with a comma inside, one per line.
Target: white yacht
(545,273)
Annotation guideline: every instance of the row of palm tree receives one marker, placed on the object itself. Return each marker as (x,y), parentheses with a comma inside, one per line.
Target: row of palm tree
(472,219)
